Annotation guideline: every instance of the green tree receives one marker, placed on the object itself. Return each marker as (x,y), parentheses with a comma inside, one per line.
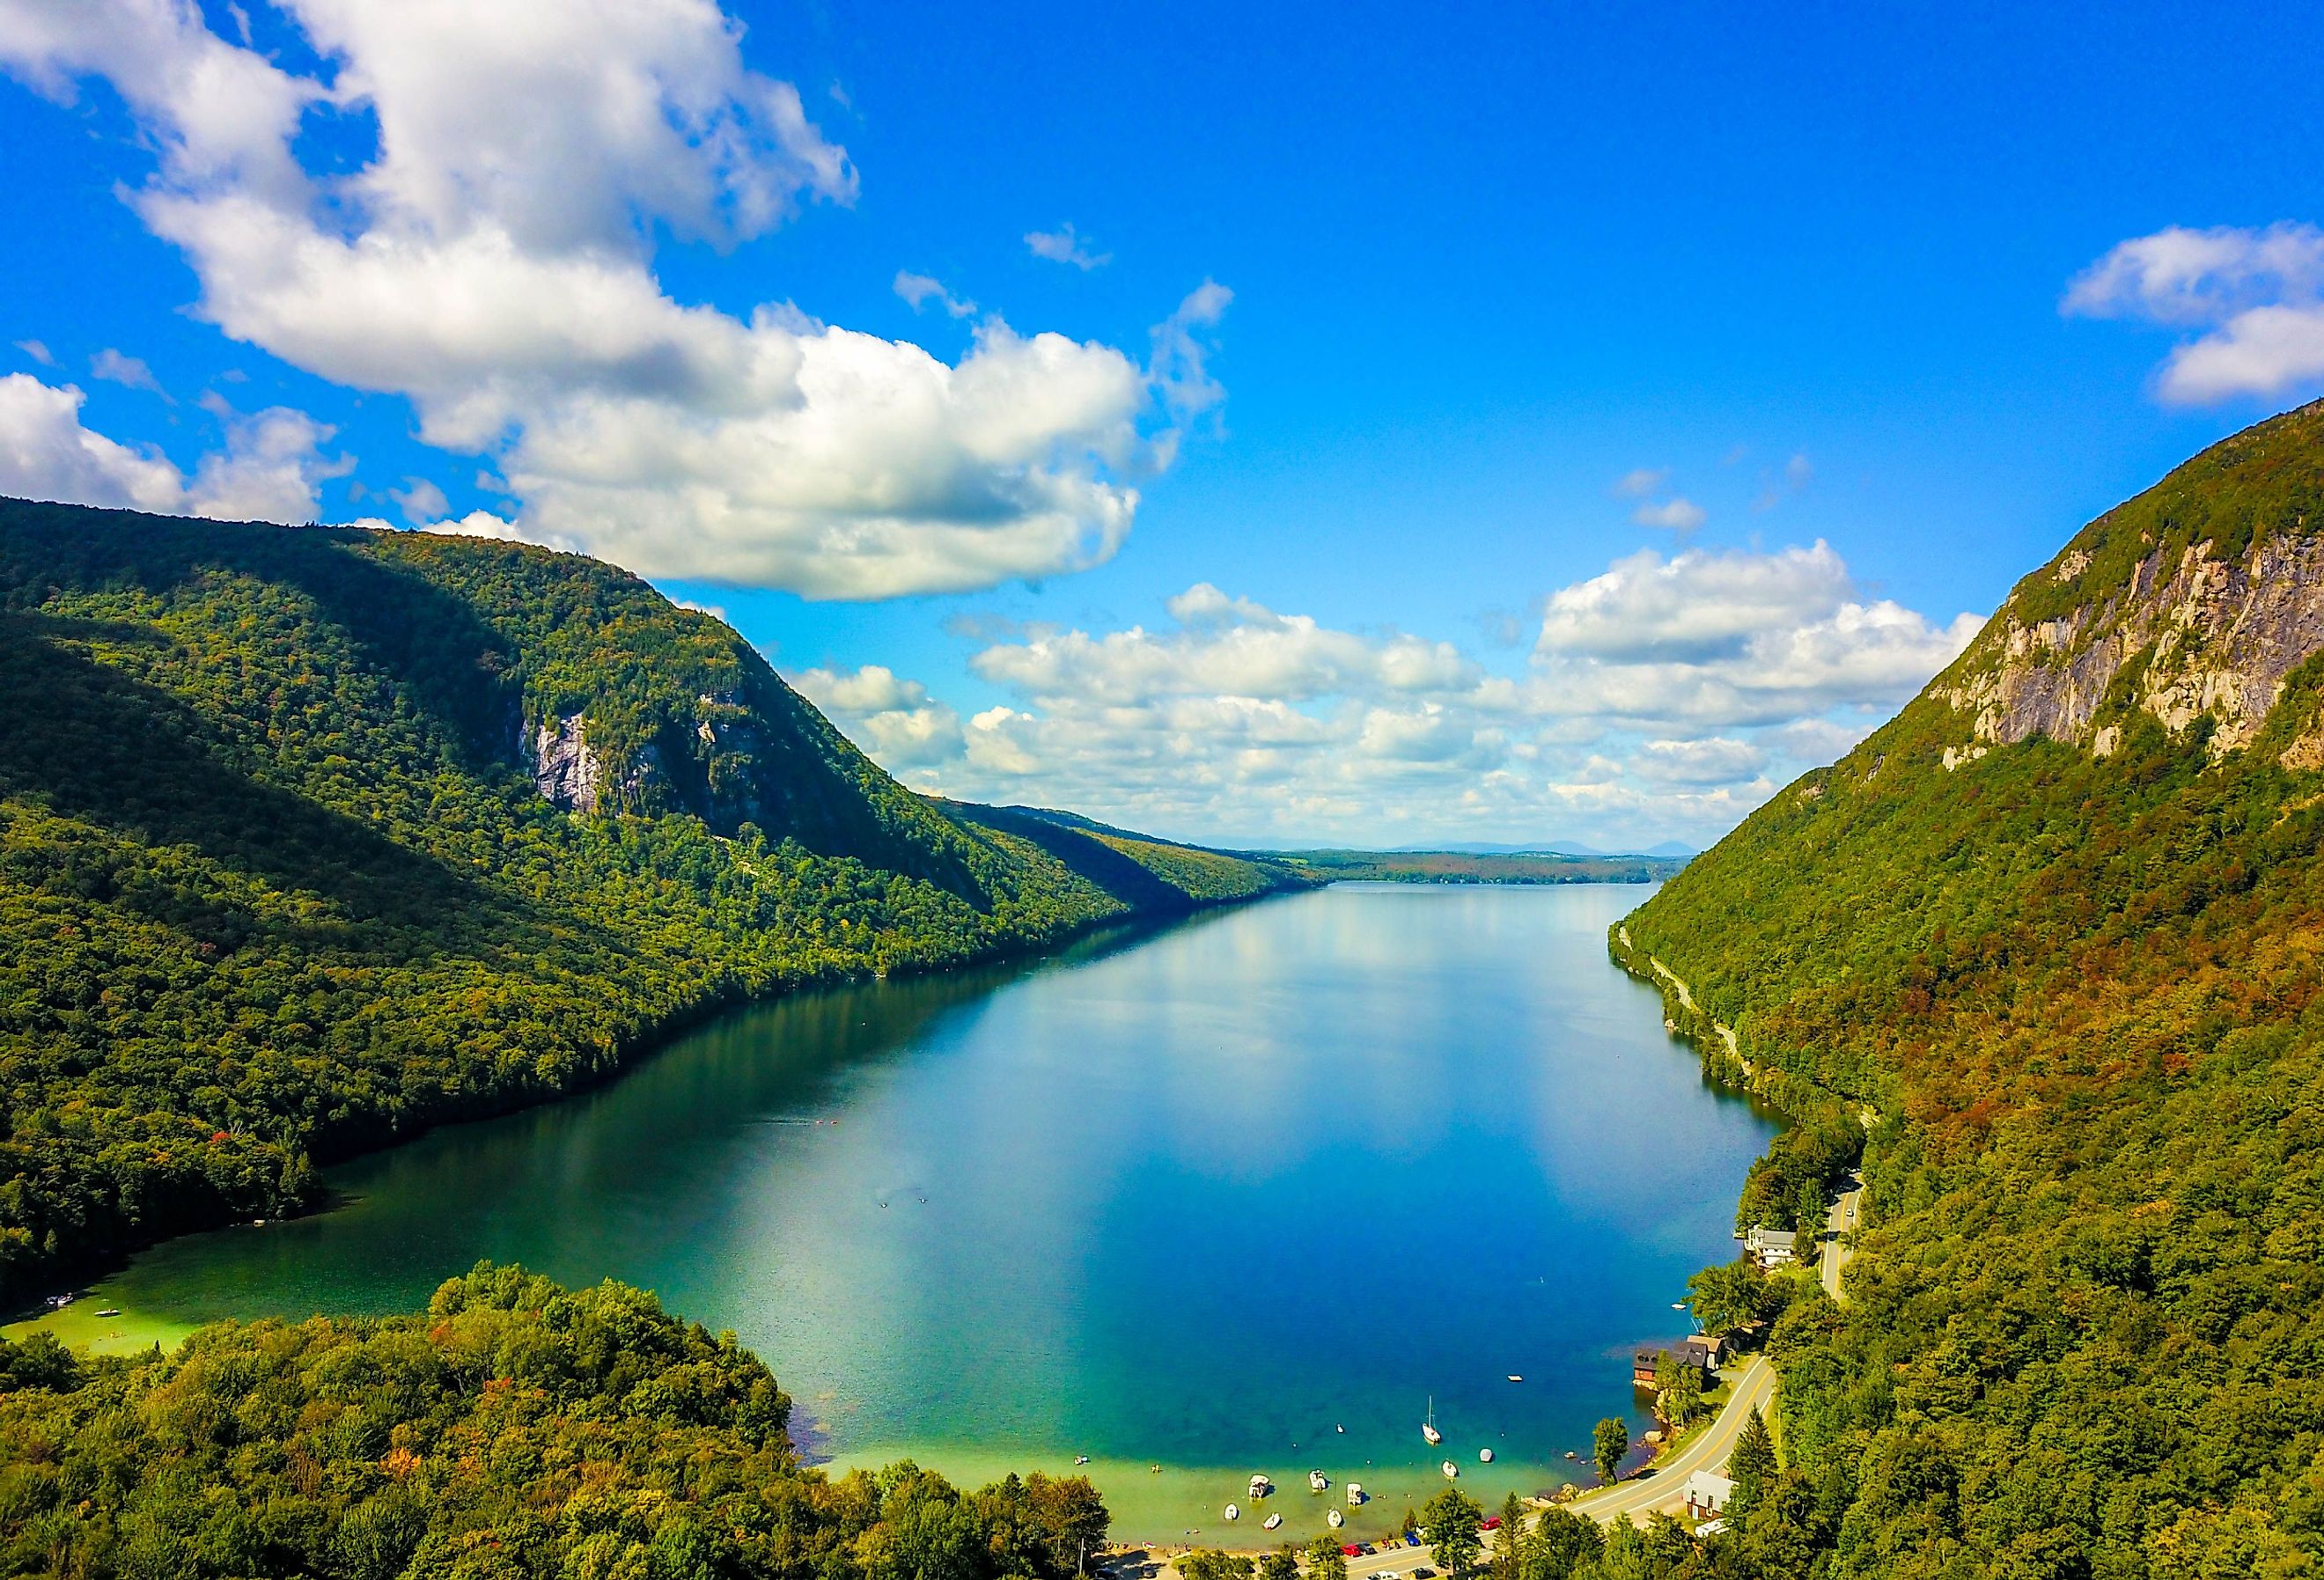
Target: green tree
(1752,1463)
(1509,1538)
(1450,1518)
(1282,1564)
(1609,1442)
(1729,1296)
(1325,1561)
(1559,1546)
(1678,1391)
(1210,1564)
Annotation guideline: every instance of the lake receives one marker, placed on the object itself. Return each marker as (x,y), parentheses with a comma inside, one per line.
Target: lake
(1244,1193)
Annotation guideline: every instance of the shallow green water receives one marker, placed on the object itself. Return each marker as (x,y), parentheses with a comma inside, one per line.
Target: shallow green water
(1193,1198)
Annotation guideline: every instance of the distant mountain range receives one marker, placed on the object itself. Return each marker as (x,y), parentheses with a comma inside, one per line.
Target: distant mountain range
(1669,848)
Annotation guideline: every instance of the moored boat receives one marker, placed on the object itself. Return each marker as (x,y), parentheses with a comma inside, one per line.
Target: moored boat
(1233,1512)
(1272,1521)
(1450,1470)
(1484,1456)
(1317,1481)
(1428,1427)
(1335,1519)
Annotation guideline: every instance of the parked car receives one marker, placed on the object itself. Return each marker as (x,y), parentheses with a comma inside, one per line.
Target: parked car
(1492,1522)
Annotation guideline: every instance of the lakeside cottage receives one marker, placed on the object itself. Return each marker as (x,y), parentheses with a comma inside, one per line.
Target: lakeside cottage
(1707,1493)
(1772,1248)
(1697,1350)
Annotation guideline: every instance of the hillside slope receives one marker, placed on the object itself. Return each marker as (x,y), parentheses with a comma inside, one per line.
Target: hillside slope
(2056,934)
(309,838)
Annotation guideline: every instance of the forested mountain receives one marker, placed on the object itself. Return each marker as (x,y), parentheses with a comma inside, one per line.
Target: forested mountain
(2053,938)
(311,837)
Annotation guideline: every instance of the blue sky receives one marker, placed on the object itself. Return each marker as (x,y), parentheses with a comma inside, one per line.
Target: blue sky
(1397,322)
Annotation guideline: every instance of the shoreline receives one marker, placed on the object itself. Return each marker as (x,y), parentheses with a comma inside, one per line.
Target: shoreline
(86,1276)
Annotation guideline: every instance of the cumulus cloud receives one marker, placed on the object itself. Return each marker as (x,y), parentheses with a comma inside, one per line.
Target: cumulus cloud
(421,500)
(1640,482)
(1663,698)
(45,453)
(891,718)
(2258,295)
(491,260)
(919,289)
(1680,515)
(270,469)
(1062,246)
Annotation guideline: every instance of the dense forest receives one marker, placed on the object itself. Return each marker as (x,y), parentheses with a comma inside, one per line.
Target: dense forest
(512,1429)
(2051,944)
(312,838)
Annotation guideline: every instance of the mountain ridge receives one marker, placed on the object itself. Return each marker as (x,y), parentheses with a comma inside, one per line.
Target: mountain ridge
(2046,948)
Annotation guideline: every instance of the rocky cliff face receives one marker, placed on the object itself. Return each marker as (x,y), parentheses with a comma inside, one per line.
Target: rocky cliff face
(2192,637)
(2161,608)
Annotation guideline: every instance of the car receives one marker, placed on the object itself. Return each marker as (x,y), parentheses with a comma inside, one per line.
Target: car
(1492,1522)
(1351,1550)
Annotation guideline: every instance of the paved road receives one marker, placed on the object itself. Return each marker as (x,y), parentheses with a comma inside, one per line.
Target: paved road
(1663,1488)
(1835,1255)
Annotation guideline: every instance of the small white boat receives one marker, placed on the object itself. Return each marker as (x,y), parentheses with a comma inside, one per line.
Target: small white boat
(1428,1427)
(1233,1512)
(1317,1481)
(1259,1486)
(1484,1456)
(1272,1521)
(1335,1519)
(1450,1470)
(1514,1377)
(1339,1430)
(1355,1494)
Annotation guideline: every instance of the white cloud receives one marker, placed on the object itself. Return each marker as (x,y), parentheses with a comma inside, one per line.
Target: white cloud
(421,500)
(1062,246)
(1715,760)
(1661,699)
(270,469)
(37,351)
(2257,294)
(1177,372)
(891,719)
(919,289)
(1679,516)
(491,260)
(1640,482)
(129,372)
(1703,603)
(45,453)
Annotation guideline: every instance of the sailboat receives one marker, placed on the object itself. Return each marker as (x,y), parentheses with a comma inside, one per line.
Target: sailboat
(1428,1427)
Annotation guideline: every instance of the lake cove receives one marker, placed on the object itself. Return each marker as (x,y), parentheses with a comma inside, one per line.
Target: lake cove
(1238,1194)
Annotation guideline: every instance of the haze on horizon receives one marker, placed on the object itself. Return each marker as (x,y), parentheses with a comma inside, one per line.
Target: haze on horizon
(1302,426)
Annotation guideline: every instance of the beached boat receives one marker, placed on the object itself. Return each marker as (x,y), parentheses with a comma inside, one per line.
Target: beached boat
(1272,1521)
(1317,1481)
(1428,1427)
(1335,1519)
(1484,1456)
(1233,1512)
(1450,1470)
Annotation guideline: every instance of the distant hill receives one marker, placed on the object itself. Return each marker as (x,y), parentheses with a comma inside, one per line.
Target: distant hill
(1455,866)
(310,838)
(2053,941)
